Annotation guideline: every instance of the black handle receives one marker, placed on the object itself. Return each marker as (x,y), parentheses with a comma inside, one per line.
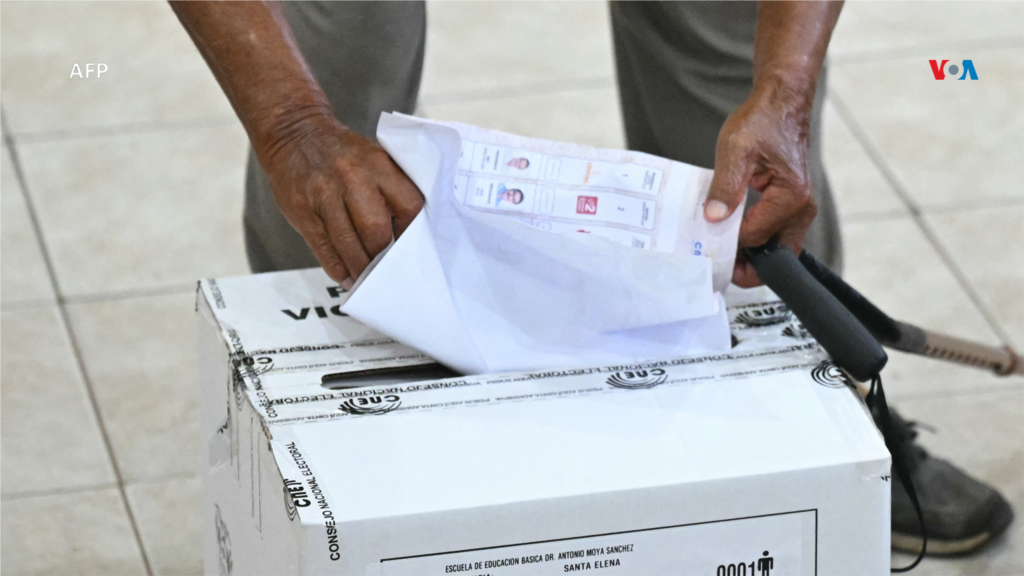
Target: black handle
(834,327)
(882,327)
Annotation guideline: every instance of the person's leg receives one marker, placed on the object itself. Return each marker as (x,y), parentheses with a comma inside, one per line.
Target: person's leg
(683,67)
(368,57)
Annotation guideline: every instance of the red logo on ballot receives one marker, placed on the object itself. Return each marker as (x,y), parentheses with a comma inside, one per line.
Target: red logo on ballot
(586,204)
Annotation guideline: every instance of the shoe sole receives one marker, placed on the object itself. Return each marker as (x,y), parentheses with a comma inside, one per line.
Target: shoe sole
(912,542)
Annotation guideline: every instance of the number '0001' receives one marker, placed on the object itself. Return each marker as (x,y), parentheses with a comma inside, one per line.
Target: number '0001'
(735,570)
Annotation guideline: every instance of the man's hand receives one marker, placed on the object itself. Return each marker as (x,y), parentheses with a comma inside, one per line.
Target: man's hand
(763,146)
(341,192)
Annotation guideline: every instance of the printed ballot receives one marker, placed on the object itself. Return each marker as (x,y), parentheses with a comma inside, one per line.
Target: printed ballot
(532,253)
(330,448)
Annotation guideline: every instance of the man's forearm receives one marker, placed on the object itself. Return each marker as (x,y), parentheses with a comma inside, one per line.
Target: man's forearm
(790,44)
(251,51)
(763,144)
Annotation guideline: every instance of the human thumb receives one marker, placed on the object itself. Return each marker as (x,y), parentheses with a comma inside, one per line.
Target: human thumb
(729,183)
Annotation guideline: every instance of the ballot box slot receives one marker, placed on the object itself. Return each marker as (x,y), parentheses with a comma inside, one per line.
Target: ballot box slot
(389,375)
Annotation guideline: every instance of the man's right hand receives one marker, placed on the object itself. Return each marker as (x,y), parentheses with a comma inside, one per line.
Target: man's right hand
(343,193)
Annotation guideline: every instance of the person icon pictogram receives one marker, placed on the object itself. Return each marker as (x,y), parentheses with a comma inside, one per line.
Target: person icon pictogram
(765,564)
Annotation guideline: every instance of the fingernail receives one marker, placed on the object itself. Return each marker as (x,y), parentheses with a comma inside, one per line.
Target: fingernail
(348,283)
(715,210)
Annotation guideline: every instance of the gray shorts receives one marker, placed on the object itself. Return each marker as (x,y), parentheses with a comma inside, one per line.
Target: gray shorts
(683,67)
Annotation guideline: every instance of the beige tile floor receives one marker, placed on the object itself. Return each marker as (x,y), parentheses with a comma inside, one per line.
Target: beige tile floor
(118,193)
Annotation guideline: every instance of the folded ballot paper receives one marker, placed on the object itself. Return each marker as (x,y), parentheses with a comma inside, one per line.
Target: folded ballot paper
(532,254)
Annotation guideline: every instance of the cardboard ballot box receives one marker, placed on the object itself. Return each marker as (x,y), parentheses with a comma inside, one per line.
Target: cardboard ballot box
(331,449)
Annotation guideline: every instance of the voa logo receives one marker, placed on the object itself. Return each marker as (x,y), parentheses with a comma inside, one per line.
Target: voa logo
(965,69)
(371,405)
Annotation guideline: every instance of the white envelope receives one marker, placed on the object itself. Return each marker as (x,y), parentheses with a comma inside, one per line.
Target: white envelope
(482,291)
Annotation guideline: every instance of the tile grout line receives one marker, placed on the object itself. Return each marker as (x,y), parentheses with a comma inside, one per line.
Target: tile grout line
(873,55)
(94,297)
(79,359)
(49,136)
(873,216)
(897,213)
(131,293)
(197,475)
(947,394)
(918,216)
(57,491)
(28,304)
(543,88)
(96,487)
(992,202)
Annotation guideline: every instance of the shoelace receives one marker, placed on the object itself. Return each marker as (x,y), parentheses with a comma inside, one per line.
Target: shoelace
(895,443)
(906,434)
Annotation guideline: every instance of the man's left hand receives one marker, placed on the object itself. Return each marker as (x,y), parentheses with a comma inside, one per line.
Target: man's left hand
(763,146)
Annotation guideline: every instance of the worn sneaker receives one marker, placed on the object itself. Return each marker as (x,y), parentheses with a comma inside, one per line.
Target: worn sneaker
(960,513)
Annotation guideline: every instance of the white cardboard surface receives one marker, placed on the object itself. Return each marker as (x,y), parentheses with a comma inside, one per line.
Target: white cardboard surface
(677,466)
(294,316)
